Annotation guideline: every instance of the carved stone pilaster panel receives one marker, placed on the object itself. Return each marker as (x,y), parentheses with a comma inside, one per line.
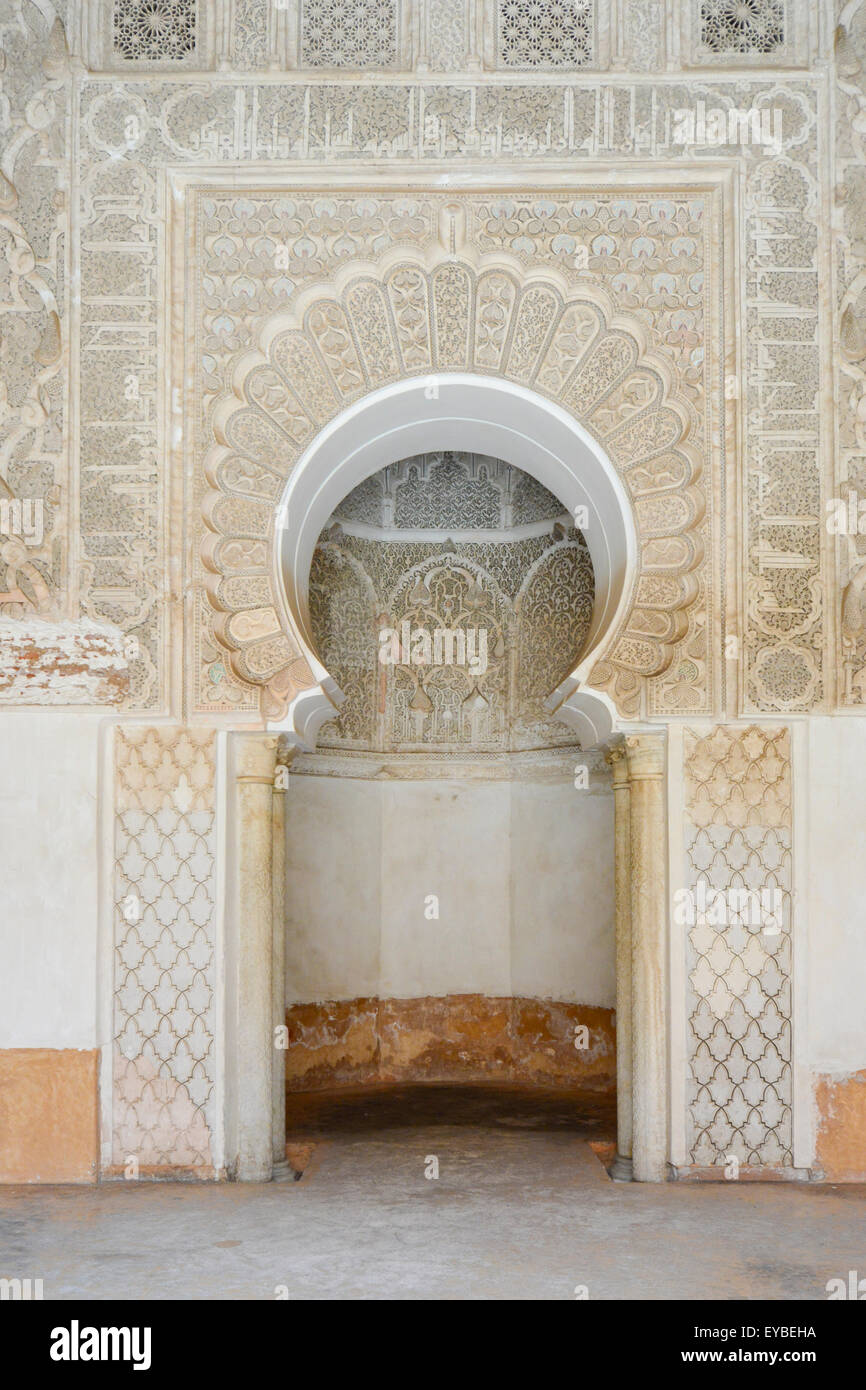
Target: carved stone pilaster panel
(164,954)
(734,913)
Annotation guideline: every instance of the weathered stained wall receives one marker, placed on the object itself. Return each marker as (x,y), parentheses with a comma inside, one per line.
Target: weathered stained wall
(460,1038)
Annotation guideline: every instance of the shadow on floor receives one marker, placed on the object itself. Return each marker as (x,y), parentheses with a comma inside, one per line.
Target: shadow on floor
(362,1110)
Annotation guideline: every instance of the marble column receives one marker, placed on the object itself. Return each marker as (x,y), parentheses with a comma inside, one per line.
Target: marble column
(255,765)
(621,1171)
(646,766)
(278,958)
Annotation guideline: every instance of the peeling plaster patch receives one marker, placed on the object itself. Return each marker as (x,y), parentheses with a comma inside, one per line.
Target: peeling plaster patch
(467,1037)
(65,663)
(841,1146)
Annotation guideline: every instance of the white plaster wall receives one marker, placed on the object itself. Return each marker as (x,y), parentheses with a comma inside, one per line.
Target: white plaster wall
(49,839)
(562,927)
(332,888)
(523,873)
(451,840)
(832,797)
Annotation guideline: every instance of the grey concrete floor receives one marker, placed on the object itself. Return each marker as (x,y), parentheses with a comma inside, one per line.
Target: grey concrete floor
(522,1209)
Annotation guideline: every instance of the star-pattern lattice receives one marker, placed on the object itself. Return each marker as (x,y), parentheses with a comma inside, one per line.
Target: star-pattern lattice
(349,33)
(546,33)
(154,31)
(742,26)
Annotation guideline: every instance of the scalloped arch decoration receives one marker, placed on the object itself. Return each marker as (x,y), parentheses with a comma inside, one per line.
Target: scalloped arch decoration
(380,324)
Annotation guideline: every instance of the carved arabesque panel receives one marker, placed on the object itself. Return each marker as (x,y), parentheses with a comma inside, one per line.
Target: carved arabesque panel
(34,515)
(447,34)
(344,617)
(450,706)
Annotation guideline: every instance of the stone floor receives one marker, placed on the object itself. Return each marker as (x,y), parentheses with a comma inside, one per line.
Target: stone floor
(522,1209)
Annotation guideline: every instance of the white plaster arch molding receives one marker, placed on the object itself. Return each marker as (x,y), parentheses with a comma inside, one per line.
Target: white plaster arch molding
(484,415)
(513,353)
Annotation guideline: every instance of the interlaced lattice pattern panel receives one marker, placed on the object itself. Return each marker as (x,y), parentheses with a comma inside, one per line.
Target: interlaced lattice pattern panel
(350,33)
(738,846)
(546,33)
(154,31)
(164,946)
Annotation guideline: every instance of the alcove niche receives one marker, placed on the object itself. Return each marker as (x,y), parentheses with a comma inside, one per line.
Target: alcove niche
(450,845)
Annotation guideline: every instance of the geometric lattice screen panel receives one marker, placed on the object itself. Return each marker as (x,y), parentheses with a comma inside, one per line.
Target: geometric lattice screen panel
(557,34)
(164,947)
(735,914)
(154,31)
(350,33)
(728,30)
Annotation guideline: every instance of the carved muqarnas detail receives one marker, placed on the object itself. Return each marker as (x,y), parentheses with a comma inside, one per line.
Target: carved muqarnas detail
(523,608)
(154,31)
(407,319)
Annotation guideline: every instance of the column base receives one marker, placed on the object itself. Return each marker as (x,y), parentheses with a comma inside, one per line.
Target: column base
(621,1169)
(284,1172)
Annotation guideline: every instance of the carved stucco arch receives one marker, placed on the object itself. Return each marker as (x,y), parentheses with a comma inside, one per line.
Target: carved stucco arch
(403,328)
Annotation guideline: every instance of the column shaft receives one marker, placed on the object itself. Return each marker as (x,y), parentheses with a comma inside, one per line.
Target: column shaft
(646,761)
(278,982)
(255,1041)
(616,758)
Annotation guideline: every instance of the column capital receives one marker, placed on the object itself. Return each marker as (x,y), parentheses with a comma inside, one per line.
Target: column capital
(646,755)
(616,757)
(256,757)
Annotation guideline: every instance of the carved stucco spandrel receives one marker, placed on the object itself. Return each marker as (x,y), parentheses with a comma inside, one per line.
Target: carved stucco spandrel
(386,320)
